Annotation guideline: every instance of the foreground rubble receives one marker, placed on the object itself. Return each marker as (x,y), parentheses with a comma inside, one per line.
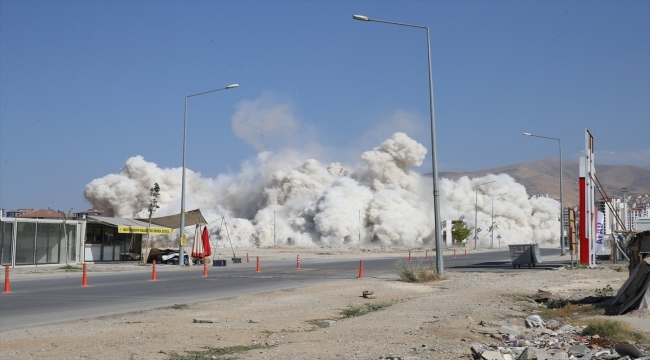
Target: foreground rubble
(549,342)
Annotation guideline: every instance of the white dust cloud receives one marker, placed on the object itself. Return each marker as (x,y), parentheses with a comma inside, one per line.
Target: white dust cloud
(264,123)
(288,198)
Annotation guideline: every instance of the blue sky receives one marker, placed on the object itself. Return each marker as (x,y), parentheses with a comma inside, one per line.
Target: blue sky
(84,85)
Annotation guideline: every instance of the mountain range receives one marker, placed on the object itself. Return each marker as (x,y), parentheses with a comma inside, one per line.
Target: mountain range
(542,177)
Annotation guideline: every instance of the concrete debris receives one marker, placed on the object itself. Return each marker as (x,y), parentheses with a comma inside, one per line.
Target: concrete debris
(368,294)
(628,349)
(326,323)
(512,330)
(549,342)
(542,296)
(527,354)
(202,321)
(491,355)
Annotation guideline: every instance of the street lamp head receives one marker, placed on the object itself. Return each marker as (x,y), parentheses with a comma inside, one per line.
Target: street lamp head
(360,18)
(232,86)
(528,134)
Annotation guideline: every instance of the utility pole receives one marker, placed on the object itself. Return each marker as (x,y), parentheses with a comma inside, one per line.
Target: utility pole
(628,226)
(359,226)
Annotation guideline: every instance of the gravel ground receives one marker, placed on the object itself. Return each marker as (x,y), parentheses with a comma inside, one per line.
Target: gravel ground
(425,321)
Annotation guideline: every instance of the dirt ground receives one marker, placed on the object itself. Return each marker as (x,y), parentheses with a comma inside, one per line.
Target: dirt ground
(425,321)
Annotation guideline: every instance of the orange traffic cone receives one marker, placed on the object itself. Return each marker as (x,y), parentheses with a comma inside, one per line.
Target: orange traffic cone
(360,269)
(84,278)
(7,286)
(153,272)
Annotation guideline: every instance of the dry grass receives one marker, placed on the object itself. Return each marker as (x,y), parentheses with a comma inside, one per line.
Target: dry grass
(612,330)
(415,272)
(354,311)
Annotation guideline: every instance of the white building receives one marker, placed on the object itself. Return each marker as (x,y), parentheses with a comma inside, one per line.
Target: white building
(636,213)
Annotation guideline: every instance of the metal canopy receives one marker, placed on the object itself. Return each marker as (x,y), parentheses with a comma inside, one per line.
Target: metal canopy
(192,217)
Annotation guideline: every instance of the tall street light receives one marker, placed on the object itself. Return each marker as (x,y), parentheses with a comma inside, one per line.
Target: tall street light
(492,246)
(181,251)
(434,160)
(562,252)
(476,212)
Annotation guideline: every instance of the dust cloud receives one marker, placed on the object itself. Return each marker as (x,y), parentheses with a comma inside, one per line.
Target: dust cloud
(283,198)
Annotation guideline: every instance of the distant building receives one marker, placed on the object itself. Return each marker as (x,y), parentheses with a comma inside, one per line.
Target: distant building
(83,215)
(41,214)
(637,213)
(16,213)
(619,208)
(2,212)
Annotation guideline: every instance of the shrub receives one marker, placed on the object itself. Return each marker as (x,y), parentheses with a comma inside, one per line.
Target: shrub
(612,330)
(354,311)
(415,272)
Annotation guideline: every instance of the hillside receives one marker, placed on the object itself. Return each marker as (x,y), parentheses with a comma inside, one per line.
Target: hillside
(542,177)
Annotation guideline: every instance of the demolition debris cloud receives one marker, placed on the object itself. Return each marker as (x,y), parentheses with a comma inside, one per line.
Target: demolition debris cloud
(380,201)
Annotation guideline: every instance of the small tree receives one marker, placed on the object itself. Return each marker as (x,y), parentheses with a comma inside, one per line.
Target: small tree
(495,226)
(154,193)
(460,231)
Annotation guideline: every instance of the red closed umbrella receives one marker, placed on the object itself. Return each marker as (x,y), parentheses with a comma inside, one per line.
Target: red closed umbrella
(207,249)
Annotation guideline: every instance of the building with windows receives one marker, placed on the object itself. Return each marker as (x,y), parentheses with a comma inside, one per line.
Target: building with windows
(636,213)
(16,213)
(82,215)
(42,214)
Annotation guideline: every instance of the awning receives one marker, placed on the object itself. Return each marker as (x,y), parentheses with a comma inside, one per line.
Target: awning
(131,226)
(192,217)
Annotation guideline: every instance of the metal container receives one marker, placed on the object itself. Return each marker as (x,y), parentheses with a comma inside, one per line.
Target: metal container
(525,254)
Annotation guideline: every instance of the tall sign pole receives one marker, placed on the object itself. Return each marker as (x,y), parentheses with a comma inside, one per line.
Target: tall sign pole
(587,203)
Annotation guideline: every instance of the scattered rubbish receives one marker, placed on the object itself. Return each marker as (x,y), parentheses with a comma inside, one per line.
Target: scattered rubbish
(547,340)
(534,321)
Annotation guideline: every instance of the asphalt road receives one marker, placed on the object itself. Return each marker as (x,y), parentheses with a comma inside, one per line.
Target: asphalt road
(36,300)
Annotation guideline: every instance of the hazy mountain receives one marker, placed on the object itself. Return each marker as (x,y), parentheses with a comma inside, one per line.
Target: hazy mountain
(542,177)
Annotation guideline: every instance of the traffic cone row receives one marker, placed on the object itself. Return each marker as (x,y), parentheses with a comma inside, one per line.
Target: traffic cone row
(154,277)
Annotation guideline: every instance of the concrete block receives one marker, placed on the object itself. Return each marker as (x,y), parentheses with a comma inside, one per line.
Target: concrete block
(491,355)
(205,321)
(326,323)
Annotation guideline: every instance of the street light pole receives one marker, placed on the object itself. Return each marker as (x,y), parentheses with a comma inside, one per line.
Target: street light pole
(476,212)
(562,252)
(181,251)
(434,160)
(492,245)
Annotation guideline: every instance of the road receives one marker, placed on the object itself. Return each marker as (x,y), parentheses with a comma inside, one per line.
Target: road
(36,300)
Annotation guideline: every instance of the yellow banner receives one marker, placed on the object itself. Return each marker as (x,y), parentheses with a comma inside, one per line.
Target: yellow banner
(142,230)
